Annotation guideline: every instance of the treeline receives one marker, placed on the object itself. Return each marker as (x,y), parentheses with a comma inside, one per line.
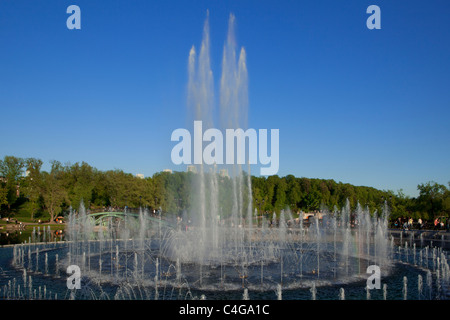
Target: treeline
(276,193)
(23,184)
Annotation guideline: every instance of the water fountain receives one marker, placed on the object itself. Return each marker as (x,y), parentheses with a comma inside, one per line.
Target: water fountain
(224,251)
(341,294)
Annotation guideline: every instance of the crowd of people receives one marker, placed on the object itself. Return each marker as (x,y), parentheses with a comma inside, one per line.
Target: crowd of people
(439,223)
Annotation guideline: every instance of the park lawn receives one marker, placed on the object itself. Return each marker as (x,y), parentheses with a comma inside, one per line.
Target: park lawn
(25,235)
(23,215)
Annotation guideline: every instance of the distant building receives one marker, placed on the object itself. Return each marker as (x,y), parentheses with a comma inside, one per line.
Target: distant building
(140,176)
(192,168)
(167,170)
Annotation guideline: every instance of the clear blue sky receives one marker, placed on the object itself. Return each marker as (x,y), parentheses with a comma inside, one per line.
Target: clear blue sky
(367,107)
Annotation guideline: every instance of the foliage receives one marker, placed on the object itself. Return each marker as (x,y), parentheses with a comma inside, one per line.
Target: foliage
(68,185)
(53,189)
(11,172)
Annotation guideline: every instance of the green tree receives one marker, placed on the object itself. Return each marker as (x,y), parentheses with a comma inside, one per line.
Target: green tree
(32,186)
(100,196)
(446,201)
(11,169)
(280,194)
(53,191)
(79,183)
(3,194)
(117,187)
(294,192)
(432,198)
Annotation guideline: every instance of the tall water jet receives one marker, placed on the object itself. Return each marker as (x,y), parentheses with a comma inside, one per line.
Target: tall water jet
(429,284)
(205,242)
(341,294)
(279,292)
(313,291)
(245,296)
(201,102)
(57,265)
(135,266)
(24,277)
(46,263)
(405,288)
(317,236)
(419,286)
(143,214)
(37,259)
